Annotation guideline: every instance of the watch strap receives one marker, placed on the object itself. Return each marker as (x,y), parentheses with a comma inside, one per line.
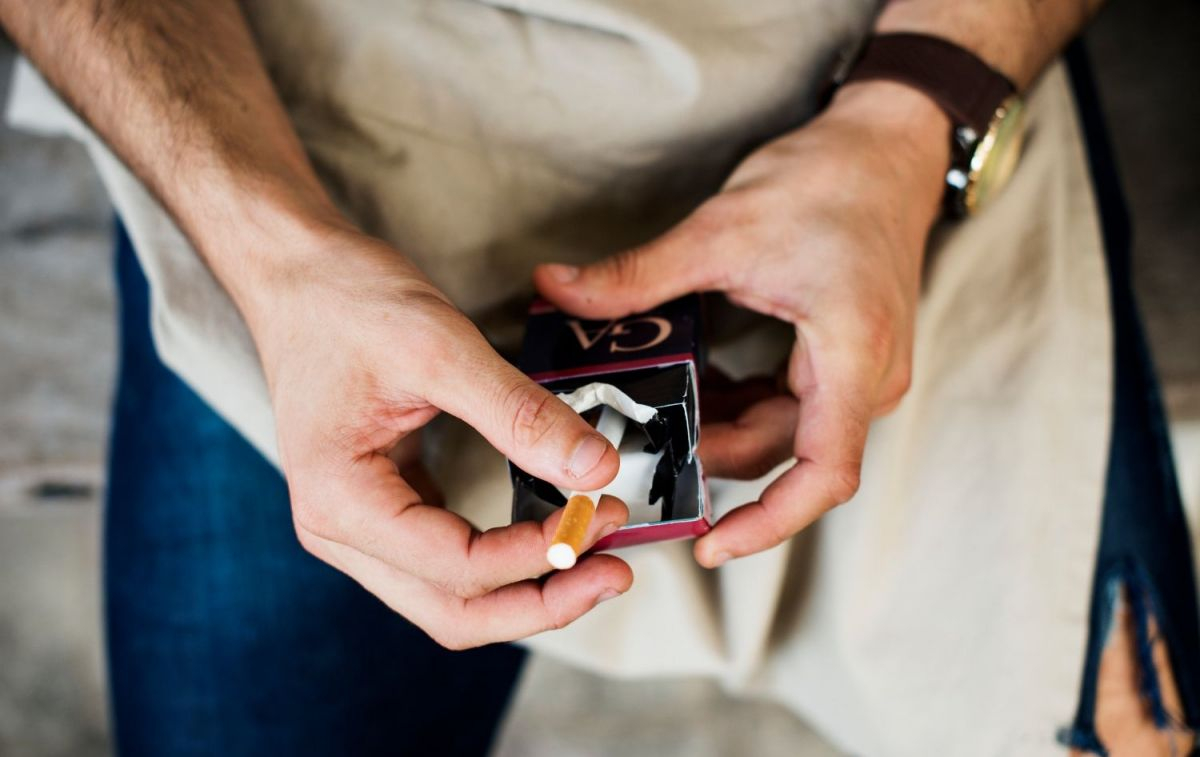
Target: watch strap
(967,89)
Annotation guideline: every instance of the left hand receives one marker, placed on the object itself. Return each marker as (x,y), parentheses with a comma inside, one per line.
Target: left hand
(824,228)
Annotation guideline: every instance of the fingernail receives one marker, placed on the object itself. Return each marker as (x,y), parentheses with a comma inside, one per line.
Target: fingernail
(606,595)
(563,274)
(720,559)
(587,455)
(610,528)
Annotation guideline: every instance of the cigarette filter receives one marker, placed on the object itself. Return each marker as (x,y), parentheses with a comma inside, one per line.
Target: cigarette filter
(581,506)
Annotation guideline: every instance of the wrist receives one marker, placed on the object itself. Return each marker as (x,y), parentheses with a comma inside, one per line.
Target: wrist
(261,233)
(910,135)
(294,265)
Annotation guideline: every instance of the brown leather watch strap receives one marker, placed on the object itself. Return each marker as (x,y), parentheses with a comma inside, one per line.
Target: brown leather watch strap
(968,89)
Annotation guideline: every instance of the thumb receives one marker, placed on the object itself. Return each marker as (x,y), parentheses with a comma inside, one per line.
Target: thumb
(532,427)
(631,281)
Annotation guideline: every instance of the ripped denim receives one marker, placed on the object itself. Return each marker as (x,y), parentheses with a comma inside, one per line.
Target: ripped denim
(1145,551)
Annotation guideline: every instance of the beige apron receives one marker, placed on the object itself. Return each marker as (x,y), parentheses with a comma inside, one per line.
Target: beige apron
(944,610)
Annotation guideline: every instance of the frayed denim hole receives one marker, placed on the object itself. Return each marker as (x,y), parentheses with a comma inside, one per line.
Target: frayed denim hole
(1082,735)
(1140,597)
(1144,606)
(1141,605)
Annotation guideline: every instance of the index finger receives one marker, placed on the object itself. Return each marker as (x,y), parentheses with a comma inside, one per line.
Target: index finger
(372,510)
(835,410)
(510,612)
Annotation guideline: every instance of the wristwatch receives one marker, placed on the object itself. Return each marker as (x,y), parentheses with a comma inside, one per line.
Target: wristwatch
(987,114)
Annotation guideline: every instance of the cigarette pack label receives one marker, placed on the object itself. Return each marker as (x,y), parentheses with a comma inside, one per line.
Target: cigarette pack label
(558,345)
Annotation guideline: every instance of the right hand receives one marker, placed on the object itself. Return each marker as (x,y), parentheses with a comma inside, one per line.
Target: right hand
(360,350)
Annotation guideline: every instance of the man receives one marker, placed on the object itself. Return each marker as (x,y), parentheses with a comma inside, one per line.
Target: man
(945,610)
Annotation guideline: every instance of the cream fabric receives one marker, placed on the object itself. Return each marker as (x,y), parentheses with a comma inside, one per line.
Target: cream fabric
(943,611)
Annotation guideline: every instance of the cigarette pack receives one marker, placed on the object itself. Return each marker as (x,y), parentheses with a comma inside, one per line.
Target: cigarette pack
(645,366)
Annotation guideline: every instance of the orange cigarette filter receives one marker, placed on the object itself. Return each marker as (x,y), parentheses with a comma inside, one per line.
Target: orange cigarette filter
(581,506)
(568,537)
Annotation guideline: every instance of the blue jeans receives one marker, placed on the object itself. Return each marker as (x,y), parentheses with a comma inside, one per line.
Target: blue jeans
(224,637)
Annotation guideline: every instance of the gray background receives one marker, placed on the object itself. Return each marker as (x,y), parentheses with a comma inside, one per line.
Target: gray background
(56,375)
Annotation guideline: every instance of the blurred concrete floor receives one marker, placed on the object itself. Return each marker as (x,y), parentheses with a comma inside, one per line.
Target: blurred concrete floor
(56,365)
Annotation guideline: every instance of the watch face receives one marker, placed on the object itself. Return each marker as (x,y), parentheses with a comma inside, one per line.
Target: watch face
(995,157)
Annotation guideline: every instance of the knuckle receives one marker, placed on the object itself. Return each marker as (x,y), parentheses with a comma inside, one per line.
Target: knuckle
(425,302)
(310,517)
(427,314)
(901,382)
(532,415)
(452,640)
(624,268)
(714,216)
(895,386)
(878,333)
(463,587)
(467,582)
(431,323)
(844,481)
(778,531)
(450,629)
(556,619)
(308,542)
(713,221)
(904,377)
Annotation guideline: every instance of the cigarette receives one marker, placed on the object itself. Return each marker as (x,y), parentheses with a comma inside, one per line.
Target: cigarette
(581,506)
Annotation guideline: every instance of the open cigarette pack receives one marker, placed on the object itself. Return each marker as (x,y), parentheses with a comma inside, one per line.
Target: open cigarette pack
(635,380)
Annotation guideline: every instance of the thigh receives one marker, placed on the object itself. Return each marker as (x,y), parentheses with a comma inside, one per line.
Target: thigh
(224,636)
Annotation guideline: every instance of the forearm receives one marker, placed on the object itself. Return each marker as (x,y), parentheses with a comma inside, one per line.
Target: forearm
(178,91)
(1016,37)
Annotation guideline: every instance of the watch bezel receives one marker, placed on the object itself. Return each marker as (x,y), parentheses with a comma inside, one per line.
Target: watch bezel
(973,153)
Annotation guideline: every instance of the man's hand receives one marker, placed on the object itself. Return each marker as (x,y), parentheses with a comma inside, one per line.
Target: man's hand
(359,349)
(360,352)
(825,229)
